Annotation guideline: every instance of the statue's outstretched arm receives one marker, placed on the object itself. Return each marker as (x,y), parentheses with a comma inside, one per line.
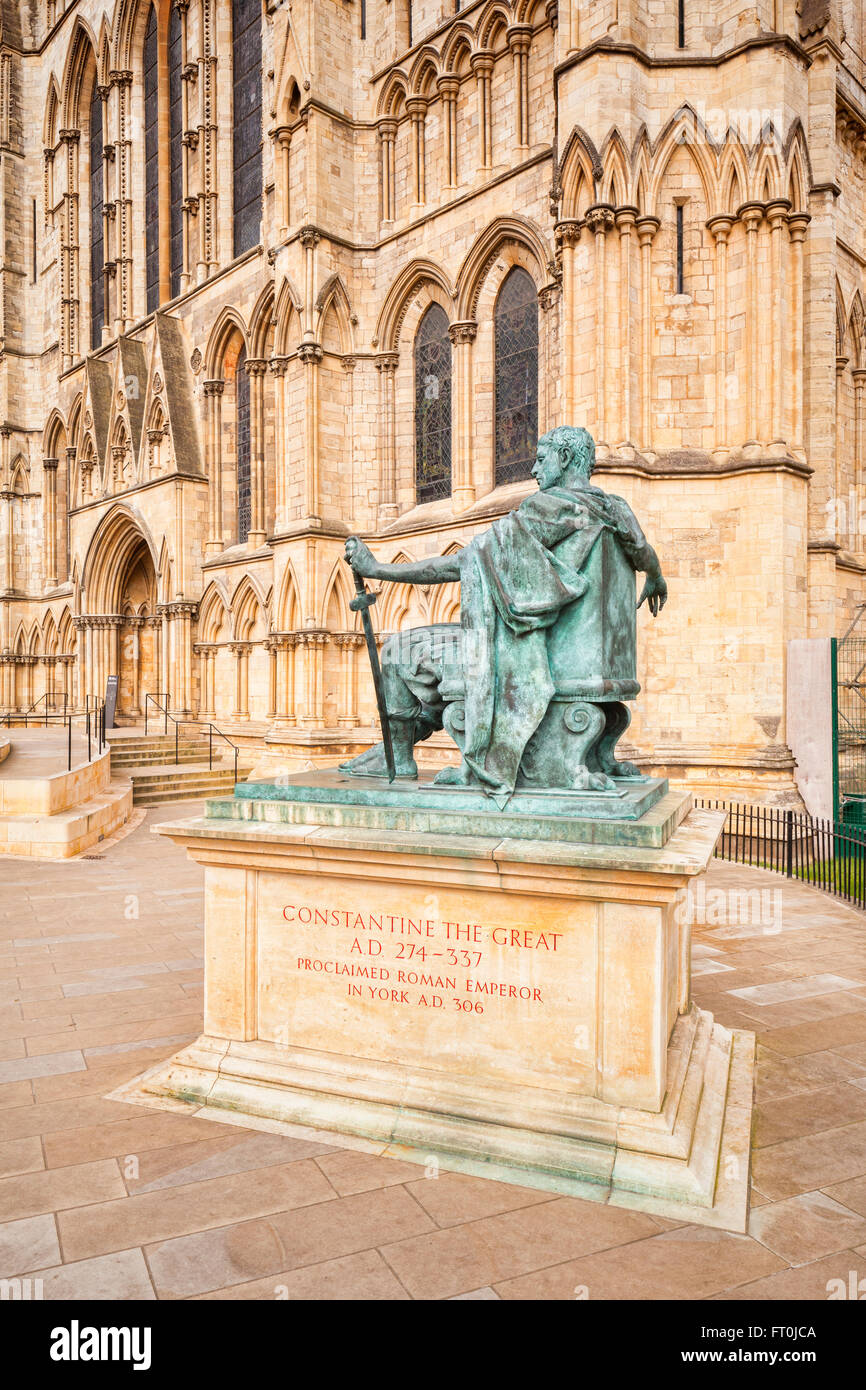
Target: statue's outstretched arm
(438,569)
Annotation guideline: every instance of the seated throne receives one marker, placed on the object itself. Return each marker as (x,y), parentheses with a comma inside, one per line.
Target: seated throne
(591,649)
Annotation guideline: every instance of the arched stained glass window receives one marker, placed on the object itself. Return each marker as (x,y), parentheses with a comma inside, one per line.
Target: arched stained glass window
(432,406)
(151,161)
(242,387)
(516,348)
(247,122)
(97,244)
(175,150)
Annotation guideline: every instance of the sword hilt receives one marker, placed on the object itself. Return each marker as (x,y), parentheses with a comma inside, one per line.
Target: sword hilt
(363,598)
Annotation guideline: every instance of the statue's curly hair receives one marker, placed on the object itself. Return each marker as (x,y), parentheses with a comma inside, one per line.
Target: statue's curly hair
(578,442)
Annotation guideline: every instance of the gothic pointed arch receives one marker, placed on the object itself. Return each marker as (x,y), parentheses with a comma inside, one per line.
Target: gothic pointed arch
(503,231)
(419,272)
(685,129)
(121,537)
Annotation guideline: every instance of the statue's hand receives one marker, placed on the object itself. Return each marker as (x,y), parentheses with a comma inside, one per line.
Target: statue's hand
(360,557)
(655,593)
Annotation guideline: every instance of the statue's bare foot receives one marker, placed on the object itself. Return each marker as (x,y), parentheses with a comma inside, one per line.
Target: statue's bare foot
(454,776)
(586,781)
(628,771)
(373,764)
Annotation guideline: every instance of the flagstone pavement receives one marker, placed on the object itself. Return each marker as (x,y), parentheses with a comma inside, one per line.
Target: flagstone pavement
(101,977)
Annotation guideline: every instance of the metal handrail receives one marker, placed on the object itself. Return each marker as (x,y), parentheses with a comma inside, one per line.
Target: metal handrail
(94,722)
(24,713)
(196,724)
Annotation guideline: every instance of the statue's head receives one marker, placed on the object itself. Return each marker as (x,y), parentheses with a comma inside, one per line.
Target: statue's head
(563,457)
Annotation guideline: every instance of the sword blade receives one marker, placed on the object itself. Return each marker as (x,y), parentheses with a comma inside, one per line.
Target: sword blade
(373,653)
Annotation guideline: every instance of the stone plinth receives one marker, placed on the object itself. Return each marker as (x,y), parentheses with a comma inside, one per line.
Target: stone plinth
(518,1008)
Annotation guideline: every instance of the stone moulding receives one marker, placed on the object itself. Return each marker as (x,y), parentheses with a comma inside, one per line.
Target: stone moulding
(689,1161)
(607,1083)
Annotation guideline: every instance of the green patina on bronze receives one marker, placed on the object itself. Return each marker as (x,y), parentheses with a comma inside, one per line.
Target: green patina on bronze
(532,683)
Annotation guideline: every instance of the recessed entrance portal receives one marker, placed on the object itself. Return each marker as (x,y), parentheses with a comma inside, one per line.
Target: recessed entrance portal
(136,647)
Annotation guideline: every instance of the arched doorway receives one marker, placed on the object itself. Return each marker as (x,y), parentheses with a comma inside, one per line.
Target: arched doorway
(120,614)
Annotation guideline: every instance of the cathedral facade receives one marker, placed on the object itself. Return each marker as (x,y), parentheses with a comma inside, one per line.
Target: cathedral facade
(274,274)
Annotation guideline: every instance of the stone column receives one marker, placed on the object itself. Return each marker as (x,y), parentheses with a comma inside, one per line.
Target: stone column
(386,365)
(311,355)
(720,228)
(213,391)
(462,336)
(242,686)
(482,66)
(313,642)
(626,220)
(8,497)
(256,368)
(777,216)
(856,527)
(206,653)
(282,137)
(7,672)
(70,281)
(387,137)
(49,521)
(519,38)
(279,367)
(110,264)
(797,224)
(567,237)
(283,645)
(123,311)
(448,86)
(348,642)
(600,219)
(135,625)
(839,504)
(752,214)
(646,230)
(417,109)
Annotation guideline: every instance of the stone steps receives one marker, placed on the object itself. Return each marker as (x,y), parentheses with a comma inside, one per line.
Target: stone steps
(157,756)
(154,785)
(149,764)
(68,832)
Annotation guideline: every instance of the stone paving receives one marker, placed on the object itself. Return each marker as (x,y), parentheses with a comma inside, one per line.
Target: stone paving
(101,977)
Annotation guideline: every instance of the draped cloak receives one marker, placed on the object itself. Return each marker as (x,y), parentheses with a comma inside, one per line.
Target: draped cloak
(513,588)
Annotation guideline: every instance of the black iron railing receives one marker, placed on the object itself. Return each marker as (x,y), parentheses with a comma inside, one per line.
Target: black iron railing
(51,706)
(829,854)
(92,720)
(154,710)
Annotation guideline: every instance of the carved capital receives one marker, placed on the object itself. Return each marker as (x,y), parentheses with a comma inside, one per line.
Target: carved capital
(387,361)
(797,224)
(519,37)
(600,218)
(568,233)
(255,366)
(310,353)
(482,62)
(214,387)
(646,229)
(309,237)
(719,227)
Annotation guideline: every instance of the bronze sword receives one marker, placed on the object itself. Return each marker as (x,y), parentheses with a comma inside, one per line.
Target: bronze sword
(362,603)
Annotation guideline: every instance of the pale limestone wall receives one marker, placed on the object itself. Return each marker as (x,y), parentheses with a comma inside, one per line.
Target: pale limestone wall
(730,415)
